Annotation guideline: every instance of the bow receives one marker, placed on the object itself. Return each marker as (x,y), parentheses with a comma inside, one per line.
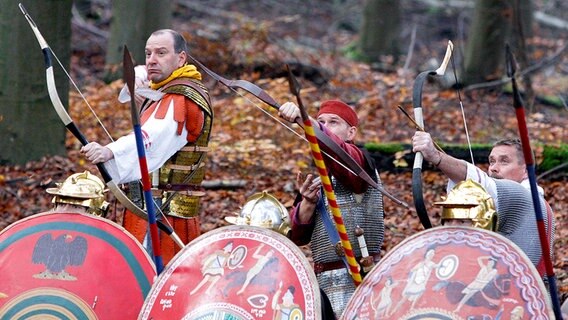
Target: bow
(129,78)
(70,125)
(326,182)
(529,161)
(346,160)
(418,158)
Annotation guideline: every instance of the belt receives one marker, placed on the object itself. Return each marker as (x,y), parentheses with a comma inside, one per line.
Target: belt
(334,265)
(180,187)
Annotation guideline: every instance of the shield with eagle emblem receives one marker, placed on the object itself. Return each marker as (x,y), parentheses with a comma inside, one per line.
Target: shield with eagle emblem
(236,272)
(453,273)
(71,266)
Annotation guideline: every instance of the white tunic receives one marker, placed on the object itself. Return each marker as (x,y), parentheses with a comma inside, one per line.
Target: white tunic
(161,142)
(479,176)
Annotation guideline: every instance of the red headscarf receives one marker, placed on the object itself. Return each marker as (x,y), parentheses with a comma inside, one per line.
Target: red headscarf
(340,109)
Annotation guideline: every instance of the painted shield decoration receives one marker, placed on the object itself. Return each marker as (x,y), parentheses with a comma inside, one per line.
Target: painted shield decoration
(236,272)
(71,266)
(453,273)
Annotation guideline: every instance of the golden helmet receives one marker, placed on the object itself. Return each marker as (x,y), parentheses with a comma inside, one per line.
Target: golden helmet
(263,210)
(470,201)
(82,189)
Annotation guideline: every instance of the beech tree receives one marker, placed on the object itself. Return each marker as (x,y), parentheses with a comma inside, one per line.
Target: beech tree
(495,23)
(132,23)
(380,32)
(29,126)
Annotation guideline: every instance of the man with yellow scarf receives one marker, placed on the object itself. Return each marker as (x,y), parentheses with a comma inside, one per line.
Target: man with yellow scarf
(176,131)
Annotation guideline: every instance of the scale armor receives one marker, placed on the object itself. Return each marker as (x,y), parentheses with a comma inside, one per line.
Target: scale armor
(183,173)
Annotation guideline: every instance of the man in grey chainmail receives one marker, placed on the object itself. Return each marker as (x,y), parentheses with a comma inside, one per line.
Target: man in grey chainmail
(361,206)
(507,183)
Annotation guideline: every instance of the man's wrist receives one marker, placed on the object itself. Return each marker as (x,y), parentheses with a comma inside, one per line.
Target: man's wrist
(309,200)
(437,163)
(308,204)
(300,217)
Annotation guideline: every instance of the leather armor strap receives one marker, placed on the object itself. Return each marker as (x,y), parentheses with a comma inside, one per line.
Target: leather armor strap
(195,149)
(181,167)
(334,265)
(190,84)
(179,187)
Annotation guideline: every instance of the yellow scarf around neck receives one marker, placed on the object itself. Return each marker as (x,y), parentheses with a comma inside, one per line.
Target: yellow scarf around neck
(187,71)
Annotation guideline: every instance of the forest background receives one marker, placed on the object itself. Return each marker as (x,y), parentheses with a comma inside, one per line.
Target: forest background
(251,152)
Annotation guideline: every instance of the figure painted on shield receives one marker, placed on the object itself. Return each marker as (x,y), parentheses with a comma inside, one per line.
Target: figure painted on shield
(383,302)
(213,267)
(517,313)
(262,260)
(486,274)
(287,309)
(417,280)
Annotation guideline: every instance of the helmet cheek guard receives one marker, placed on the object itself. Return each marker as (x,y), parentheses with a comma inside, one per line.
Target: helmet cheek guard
(468,200)
(263,210)
(82,189)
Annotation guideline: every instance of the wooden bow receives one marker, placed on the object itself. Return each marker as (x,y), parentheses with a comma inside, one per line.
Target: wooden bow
(344,158)
(417,191)
(70,125)
(326,182)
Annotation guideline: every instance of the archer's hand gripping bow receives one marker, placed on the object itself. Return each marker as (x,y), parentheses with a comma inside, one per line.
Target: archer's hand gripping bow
(418,159)
(70,125)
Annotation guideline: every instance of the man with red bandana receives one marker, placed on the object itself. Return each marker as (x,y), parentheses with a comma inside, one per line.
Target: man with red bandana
(361,205)
(176,131)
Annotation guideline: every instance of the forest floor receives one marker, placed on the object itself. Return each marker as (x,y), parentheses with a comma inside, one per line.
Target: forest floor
(253,41)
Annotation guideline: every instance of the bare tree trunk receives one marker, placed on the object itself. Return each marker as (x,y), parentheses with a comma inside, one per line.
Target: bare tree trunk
(380,32)
(522,23)
(29,127)
(495,23)
(485,49)
(133,22)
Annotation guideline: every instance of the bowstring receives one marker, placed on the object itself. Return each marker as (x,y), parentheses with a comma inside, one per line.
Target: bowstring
(82,96)
(98,119)
(462,109)
(287,127)
(158,208)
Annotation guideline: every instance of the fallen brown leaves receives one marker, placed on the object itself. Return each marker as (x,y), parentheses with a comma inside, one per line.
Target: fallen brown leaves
(248,145)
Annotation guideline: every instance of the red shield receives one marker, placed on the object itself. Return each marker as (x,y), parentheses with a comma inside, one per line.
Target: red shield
(236,272)
(71,266)
(452,273)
